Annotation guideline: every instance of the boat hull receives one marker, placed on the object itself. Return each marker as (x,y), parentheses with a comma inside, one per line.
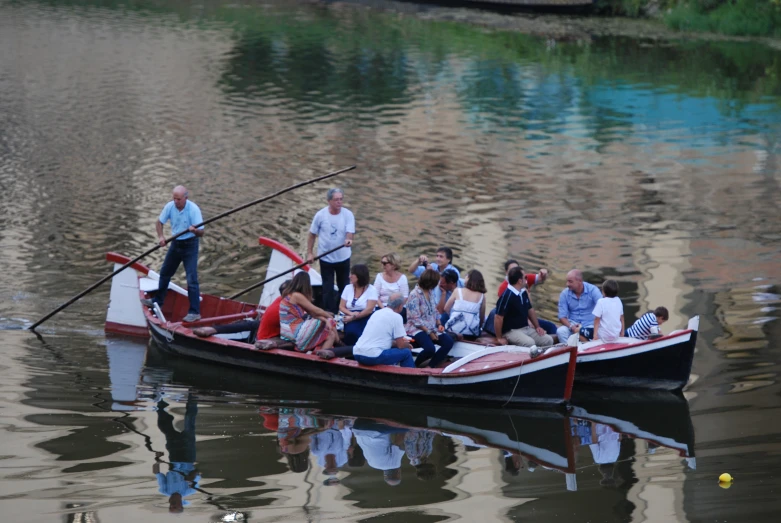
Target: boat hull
(660,365)
(548,385)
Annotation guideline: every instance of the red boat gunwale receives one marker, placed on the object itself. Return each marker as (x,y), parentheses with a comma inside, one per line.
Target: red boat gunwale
(523,358)
(114,257)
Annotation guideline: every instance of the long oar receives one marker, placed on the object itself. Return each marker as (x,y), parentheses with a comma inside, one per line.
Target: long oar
(256,285)
(172,238)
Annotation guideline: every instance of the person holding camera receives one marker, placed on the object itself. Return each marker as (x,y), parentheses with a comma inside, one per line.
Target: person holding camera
(444,262)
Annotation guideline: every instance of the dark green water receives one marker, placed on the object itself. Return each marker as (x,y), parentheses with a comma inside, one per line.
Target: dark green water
(655,163)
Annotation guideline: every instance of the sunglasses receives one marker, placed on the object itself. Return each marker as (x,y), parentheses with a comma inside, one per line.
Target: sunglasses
(385,262)
(354,300)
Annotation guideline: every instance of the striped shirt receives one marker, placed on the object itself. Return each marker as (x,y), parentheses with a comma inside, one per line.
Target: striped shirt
(641,329)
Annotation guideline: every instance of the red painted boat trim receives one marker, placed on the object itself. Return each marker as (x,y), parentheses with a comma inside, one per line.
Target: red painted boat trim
(126,330)
(613,346)
(573,359)
(114,257)
(215,320)
(284,249)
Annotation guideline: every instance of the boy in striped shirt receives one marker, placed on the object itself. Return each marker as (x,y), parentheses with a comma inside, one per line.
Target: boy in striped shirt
(641,329)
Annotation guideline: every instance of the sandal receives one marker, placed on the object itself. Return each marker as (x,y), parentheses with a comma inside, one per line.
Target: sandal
(204,332)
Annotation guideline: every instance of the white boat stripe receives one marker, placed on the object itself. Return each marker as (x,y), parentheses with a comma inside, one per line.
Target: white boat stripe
(586,357)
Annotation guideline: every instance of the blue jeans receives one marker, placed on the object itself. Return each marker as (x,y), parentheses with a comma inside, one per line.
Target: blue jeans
(186,252)
(564,333)
(427,344)
(354,329)
(334,271)
(548,326)
(388,357)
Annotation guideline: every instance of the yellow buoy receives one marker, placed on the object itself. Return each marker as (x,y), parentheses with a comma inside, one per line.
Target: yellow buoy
(725,478)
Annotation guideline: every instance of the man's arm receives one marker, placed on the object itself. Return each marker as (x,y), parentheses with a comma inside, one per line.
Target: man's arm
(196,232)
(498,323)
(402,343)
(418,262)
(564,311)
(533,319)
(310,245)
(596,328)
(348,239)
(160,236)
(442,300)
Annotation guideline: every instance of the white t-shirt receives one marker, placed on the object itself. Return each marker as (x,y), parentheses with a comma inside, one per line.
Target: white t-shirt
(385,289)
(331,441)
(378,450)
(609,312)
(383,327)
(608,445)
(348,294)
(331,231)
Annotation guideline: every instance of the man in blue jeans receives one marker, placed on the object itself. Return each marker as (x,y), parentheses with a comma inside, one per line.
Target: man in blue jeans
(184,216)
(384,340)
(332,226)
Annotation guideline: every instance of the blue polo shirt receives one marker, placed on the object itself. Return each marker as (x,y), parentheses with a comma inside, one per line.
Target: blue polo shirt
(181,220)
(579,310)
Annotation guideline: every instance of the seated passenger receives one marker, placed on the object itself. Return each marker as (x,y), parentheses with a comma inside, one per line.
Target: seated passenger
(359,299)
(423,321)
(609,313)
(531,281)
(266,325)
(383,331)
(303,323)
(390,280)
(514,314)
(466,307)
(444,261)
(448,282)
(643,328)
(531,278)
(269,322)
(576,308)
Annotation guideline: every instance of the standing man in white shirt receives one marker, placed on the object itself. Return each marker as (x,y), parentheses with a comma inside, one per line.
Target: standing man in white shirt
(332,226)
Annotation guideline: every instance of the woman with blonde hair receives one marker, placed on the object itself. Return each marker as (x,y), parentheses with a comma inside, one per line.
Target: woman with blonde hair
(390,280)
(301,321)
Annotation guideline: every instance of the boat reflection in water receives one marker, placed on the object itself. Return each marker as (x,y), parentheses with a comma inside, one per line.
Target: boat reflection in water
(262,442)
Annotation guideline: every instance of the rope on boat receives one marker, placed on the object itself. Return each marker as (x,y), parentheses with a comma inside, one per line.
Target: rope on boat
(516,385)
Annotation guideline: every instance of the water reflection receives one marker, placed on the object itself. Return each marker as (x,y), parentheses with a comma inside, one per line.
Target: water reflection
(344,448)
(182,477)
(654,163)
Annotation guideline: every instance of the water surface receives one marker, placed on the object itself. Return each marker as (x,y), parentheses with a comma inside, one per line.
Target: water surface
(653,163)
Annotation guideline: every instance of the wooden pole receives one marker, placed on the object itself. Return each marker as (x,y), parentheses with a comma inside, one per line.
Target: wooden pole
(256,285)
(172,238)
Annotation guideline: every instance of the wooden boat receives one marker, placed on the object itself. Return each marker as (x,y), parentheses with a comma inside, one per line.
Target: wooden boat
(498,375)
(663,363)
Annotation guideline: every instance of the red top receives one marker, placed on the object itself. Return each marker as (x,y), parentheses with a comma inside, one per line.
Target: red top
(531,279)
(269,322)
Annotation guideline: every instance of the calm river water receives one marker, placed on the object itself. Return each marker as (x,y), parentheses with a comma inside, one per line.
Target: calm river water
(656,163)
